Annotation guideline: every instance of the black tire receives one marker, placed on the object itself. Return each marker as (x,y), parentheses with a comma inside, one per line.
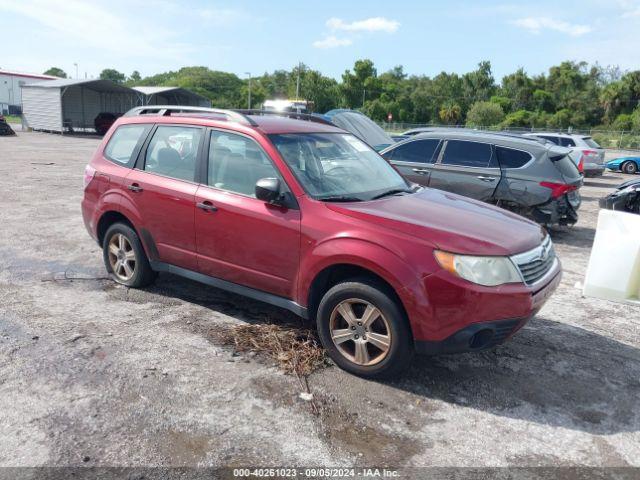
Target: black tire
(142,274)
(400,351)
(629,167)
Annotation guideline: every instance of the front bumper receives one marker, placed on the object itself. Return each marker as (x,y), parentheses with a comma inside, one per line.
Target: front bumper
(487,334)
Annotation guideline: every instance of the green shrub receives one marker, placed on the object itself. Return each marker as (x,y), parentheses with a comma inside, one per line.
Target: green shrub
(484,114)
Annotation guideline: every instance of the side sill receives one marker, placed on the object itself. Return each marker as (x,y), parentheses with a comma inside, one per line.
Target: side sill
(232,287)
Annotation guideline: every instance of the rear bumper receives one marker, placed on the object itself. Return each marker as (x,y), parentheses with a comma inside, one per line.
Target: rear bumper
(556,212)
(593,169)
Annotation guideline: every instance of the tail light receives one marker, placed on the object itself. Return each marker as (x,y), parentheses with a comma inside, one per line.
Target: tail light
(89,173)
(558,189)
(590,153)
(581,164)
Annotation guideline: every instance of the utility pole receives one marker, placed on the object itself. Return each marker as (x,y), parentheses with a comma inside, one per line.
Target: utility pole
(298,82)
(364,96)
(249,94)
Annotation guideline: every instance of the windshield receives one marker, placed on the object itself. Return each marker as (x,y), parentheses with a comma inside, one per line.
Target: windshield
(338,167)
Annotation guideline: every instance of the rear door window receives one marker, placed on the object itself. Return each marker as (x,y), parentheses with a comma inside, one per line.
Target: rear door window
(467,154)
(173,152)
(510,158)
(124,142)
(418,151)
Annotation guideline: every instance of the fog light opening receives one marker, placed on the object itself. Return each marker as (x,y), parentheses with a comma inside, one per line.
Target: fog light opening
(481,338)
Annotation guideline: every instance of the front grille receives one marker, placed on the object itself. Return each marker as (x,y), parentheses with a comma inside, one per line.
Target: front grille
(536,263)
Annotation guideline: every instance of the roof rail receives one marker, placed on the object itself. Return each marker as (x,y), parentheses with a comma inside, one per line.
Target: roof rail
(298,116)
(167,110)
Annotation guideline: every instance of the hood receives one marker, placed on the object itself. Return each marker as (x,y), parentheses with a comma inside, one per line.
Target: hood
(628,183)
(450,222)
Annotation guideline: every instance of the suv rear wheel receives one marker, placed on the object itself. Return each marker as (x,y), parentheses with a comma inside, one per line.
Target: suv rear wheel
(363,329)
(629,167)
(124,257)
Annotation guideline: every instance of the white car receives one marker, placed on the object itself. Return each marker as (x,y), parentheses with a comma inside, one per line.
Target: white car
(592,153)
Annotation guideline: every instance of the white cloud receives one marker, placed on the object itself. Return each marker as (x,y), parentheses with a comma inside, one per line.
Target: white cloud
(332,42)
(373,24)
(630,8)
(537,24)
(91,25)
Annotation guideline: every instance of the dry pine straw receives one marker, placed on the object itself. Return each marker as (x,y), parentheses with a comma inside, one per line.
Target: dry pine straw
(297,351)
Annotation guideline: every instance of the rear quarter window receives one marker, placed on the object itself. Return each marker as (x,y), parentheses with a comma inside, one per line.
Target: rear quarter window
(567,142)
(124,142)
(591,142)
(510,158)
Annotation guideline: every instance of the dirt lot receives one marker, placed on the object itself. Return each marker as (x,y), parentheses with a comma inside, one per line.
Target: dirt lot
(92,373)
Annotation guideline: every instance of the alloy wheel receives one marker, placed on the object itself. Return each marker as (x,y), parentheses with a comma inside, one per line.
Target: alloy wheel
(360,331)
(122,258)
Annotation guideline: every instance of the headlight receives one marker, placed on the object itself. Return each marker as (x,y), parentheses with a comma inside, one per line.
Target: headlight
(487,271)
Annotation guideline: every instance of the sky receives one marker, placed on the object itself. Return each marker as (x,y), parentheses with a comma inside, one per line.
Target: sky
(253,37)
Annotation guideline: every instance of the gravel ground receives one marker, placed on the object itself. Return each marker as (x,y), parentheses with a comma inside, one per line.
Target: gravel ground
(92,373)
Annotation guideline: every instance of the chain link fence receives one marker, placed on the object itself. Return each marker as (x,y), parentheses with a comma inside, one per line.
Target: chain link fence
(610,139)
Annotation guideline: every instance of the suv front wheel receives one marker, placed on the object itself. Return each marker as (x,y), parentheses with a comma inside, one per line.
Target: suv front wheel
(363,329)
(124,257)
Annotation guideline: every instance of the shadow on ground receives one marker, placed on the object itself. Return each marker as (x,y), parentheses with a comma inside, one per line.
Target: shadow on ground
(550,373)
(575,236)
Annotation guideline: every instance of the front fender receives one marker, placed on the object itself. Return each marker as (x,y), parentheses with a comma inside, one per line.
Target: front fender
(388,265)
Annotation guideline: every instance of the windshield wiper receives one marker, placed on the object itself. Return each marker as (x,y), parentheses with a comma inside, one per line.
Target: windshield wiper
(340,198)
(393,191)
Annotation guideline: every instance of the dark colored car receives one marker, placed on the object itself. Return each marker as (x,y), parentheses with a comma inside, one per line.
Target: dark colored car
(104,120)
(531,177)
(626,198)
(307,217)
(5,128)
(361,126)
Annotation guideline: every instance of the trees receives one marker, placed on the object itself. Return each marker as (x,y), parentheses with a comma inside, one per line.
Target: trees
(569,94)
(450,113)
(113,75)
(484,114)
(56,72)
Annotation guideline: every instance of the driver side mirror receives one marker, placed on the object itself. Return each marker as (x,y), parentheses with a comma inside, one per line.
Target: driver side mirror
(268,190)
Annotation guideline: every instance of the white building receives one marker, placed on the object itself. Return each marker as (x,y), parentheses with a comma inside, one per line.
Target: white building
(11,84)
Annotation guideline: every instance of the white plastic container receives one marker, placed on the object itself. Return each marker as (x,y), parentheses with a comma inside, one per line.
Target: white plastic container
(613,272)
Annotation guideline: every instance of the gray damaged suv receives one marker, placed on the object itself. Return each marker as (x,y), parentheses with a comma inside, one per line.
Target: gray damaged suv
(531,177)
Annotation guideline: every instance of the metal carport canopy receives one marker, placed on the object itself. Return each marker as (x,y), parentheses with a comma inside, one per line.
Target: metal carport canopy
(61,104)
(172,96)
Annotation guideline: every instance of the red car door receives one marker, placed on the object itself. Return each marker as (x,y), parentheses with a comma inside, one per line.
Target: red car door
(163,191)
(239,238)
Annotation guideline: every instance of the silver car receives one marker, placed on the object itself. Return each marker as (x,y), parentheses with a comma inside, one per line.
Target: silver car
(529,176)
(592,153)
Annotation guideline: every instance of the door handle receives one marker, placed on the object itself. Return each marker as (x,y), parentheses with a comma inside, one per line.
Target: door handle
(420,171)
(486,179)
(207,206)
(134,187)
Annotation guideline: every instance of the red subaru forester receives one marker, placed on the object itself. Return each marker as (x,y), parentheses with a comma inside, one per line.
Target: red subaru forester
(300,214)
